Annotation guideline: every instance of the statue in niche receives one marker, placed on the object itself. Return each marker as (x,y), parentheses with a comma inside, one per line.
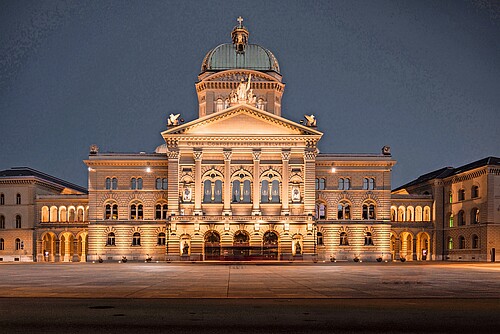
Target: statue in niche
(185,248)
(243,93)
(298,248)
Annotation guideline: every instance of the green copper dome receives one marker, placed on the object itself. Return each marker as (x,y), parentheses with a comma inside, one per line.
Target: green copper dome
(226,57)
(240,54)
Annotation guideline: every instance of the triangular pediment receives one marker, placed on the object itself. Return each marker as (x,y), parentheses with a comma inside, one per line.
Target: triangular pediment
(242,120)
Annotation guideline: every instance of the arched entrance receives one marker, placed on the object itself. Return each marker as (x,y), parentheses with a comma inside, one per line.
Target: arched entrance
(407,245)
(241,246)
(423,247)
(270,246)
(212,246)
(49,247)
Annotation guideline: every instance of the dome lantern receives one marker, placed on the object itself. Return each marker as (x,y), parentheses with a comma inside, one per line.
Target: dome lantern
(240,36)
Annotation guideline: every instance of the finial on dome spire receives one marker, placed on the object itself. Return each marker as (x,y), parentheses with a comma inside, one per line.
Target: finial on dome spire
(240,36)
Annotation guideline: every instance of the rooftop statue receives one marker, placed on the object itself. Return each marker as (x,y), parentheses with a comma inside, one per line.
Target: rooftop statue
(173,120)
(310,120)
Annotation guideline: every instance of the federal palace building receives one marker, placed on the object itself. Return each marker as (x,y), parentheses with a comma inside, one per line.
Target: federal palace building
(241,182)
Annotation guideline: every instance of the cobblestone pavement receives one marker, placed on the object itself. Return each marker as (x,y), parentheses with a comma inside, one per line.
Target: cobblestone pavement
(250,280)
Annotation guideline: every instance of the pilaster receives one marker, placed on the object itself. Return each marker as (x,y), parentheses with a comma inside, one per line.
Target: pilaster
(198,191)
(227,181)
(173,181)
(256,182)
(285,156)
(309,177)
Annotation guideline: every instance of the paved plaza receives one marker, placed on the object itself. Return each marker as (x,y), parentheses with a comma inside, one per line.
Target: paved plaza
(250,280)
(249,298)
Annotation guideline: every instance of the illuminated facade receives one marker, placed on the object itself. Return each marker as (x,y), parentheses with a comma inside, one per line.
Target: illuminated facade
(240,182)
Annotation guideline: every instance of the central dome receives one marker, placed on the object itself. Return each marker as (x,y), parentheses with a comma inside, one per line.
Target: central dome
(240,54)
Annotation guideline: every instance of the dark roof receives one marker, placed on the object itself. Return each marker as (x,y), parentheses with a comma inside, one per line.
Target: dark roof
(449,171)
(26,171)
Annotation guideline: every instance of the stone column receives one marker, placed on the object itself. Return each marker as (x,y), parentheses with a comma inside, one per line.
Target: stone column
(67,249)
(397,249)
(173,182)
(57,251)
(414,249)
(74,255)
(198,187)
(309,177)
(256,182)
(227,182)
(84,247)
(285,156)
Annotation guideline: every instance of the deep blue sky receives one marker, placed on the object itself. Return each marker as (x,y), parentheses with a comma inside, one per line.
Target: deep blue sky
(420,76)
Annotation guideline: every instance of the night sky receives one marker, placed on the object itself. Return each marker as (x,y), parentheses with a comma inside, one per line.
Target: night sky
(420,76)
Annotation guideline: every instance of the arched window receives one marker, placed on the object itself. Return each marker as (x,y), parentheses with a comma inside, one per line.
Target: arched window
(474,216)
(368,183)
(2,222)
(394,214)
(161,240)
(409,214)
(320,211)
(114,183)
(270,238)
(275,191)
(461,218)
(79,214)
(161,211)
(450,243)
(427,214)
(18,199)
(461,195)
(319,239)
(2,199)
(236,191)
(247,191)
(341,184)
(111,239)
(344,210)
(219,105)
(71,215)
(347,183)
(401,214)
(164,183)
(368,210)
(133,183)
(260,103)
(2,244)
(475,241)
(218,191)
(264,192)
(207,191)
(241,238)
(158,183)
(108,183)
(62,214)
(461,242)
(139,183)
(18,244)
(450,219)
(450,197)
(344,241)
(111,211)
(45,214)
(474,192)
(136,211)
(368,239)
(316,184)
(18,221)
(53,214)
(418,214)
(322,184)
(136,239)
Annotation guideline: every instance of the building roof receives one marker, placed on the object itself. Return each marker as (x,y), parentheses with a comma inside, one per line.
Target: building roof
(23,172)
(449,171)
